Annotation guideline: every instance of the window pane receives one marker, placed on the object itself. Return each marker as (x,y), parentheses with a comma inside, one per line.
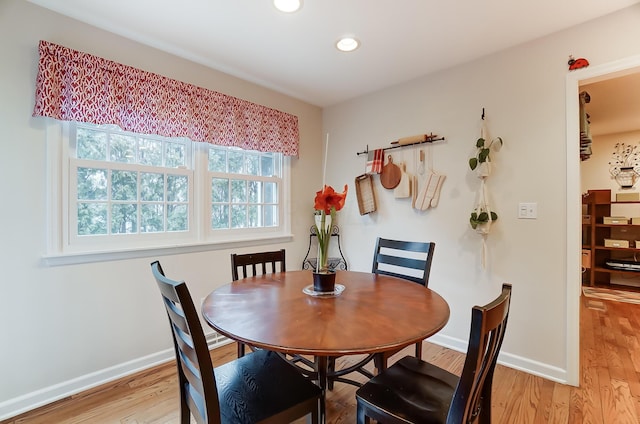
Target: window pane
(277,166)
(91,144)
(92,219)
(123,148)
(267,168)
(255,191)
(175,155)
(252,164)
(217,160)
(124,218)
(270,193)
(150,152)
(92,184)
(270,216)
(238,191)
(254,215)
(177,188)
(151,218)
(235,162)
(151,186)
(124,185)
(238,216)
(177,217)
(219,216)
(220,190)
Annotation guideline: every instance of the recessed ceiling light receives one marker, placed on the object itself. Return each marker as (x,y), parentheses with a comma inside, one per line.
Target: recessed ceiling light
(347,44)
(287,6)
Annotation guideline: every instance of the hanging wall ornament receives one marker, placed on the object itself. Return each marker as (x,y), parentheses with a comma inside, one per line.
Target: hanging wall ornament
(577,63)
(482,216)
(430,184)
(624,166)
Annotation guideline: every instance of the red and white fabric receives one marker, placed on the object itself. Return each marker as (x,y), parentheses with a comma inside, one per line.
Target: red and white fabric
(76,86)
(375,161)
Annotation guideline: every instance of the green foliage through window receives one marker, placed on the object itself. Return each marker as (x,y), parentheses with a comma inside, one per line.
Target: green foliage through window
(131,184)
(244,190)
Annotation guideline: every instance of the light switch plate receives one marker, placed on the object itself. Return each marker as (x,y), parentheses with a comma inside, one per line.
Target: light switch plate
(527,210)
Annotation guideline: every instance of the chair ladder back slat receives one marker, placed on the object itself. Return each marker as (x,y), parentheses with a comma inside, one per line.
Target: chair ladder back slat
(189,359)
(402,262)
(175,315)
(195,406)
(191,373)
(417,280)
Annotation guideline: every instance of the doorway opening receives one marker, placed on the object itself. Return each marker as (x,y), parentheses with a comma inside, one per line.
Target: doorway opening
(609,172)
(575,80)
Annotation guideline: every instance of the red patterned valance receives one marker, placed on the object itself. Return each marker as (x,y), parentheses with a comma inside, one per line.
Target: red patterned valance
(76,86)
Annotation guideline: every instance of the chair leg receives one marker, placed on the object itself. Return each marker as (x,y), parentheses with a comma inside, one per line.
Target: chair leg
(361,417)
(240,350)
(314,418)
(185,413)
(331,368)
(380,362)
(419,350)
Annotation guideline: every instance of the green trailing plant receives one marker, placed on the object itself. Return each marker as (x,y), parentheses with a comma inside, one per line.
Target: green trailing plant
(483,152)
(481,217)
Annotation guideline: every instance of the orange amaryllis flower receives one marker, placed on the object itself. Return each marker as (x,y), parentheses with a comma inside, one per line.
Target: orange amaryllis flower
(327,203)
(328,198)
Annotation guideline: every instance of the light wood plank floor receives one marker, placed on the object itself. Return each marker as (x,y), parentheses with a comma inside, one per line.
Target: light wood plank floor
(609,392)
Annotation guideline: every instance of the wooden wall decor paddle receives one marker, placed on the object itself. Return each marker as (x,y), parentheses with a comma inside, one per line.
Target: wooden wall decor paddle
(390,175)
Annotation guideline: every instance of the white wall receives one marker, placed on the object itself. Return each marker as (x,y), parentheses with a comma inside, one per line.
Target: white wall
(523,91)
(68,326)
(595,170)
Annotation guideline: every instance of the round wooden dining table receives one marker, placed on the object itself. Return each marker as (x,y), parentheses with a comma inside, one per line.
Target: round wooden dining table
(373,314)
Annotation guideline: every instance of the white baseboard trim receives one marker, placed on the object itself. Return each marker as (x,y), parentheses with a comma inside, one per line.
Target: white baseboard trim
(21,404)
(540,369)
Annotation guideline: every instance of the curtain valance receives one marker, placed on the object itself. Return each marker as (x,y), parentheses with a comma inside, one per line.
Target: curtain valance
(76,86)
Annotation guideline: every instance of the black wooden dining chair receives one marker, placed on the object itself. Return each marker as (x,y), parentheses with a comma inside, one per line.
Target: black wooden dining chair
(252,264)
(415,391)
(257,388)
(409,260)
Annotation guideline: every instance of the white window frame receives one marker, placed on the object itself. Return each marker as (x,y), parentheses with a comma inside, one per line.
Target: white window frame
(62,248)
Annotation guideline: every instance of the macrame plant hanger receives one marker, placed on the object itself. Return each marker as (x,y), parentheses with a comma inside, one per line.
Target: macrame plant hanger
(482,198)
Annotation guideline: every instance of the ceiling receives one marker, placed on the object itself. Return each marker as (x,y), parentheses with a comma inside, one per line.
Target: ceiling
(294,53)
(615,104)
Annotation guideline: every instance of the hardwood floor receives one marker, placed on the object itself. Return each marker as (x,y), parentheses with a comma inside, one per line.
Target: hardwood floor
(609,391)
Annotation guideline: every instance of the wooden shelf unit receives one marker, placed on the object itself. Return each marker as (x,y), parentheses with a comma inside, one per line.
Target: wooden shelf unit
(594,231)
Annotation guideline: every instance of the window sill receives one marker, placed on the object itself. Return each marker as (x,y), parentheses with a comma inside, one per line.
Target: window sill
(117,255)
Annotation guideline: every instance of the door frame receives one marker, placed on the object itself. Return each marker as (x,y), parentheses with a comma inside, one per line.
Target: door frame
(574,79)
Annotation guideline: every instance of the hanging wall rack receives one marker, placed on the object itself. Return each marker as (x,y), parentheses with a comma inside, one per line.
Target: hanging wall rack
(398,146)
